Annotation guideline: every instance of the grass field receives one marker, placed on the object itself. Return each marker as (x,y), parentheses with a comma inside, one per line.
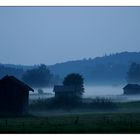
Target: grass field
(77,122)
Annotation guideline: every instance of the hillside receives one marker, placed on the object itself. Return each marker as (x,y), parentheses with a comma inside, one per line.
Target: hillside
(109,69)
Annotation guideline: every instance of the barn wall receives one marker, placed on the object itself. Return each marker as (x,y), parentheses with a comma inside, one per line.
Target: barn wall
(15,99)
(131,91)
(25,102)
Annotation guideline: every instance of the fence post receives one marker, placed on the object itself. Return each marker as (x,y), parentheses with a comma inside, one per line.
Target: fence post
(76,120)
(104,118)
(23,125)
(6,123)
(42,123)
(47,120)
(131,124)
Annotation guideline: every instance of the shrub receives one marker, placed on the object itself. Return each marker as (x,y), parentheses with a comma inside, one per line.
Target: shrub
(73,103)
(102,103)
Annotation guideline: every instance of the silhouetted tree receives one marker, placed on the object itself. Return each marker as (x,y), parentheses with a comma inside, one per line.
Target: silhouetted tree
(76,80)
(38,77)
(133,75)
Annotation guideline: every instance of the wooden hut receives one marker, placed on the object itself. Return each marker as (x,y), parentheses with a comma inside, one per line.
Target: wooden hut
(65,91)
(131,89)
(14,96)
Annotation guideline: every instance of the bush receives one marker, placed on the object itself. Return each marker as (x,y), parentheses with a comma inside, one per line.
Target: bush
(55,103)
(73,103)
(102,103)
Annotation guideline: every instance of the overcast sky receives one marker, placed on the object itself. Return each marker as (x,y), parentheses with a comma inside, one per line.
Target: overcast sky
(34,35)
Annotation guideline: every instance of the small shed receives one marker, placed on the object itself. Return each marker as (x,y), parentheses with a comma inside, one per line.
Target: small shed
(65,91)
(14,96)
(131,89)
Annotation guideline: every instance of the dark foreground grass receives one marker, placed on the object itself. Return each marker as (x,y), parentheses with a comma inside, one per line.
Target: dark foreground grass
(79,123)
(73,122)
(129,105)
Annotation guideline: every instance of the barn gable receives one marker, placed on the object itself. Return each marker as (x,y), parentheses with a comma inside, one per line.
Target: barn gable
(16,82)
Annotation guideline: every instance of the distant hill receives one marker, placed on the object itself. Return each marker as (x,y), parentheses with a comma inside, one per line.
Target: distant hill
(109,69)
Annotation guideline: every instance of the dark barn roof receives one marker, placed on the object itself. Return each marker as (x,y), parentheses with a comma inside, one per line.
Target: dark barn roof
(16,82)
(132,86)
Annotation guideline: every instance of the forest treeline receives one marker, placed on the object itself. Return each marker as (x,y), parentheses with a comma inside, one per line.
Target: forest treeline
(38,76)
(110,69)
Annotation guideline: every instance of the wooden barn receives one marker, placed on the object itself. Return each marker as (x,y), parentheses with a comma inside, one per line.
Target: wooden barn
(131,89)
(65,91)
(14,96)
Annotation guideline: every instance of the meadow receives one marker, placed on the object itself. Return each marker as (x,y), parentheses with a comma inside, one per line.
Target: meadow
(80,122)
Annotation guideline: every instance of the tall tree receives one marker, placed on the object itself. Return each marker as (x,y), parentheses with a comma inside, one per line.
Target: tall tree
(38,77)
(76,80)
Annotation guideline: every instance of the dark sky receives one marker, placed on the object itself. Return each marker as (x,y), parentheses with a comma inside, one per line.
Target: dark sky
(34,35)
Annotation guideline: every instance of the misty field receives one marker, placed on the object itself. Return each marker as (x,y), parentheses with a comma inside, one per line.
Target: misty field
(74,123)
(125,119)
